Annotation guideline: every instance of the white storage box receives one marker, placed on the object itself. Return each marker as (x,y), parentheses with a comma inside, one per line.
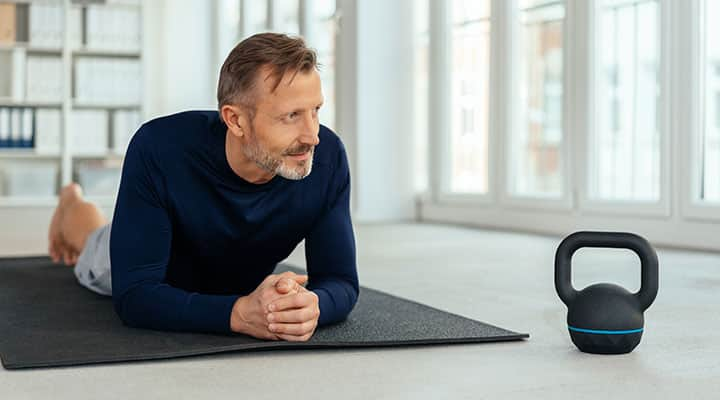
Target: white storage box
(29,179)
(98,180)
(89,131)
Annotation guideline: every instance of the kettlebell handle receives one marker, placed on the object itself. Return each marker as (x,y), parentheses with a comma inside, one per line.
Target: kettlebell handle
(620,240)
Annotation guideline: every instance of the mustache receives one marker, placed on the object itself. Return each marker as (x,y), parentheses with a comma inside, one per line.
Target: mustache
(299,150)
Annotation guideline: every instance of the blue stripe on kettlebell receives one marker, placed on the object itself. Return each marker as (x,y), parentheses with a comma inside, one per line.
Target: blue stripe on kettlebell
(600,332)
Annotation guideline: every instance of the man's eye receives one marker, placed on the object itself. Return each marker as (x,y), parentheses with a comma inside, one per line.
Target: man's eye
(292,115)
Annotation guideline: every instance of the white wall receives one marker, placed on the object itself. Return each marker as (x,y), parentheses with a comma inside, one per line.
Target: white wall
(376,86)
(180,60)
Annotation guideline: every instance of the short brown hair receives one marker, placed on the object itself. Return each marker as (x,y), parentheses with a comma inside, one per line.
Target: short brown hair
(282,53)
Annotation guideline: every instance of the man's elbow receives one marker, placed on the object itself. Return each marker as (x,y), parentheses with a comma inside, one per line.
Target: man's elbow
(129,307)
(353,295)
(122,311)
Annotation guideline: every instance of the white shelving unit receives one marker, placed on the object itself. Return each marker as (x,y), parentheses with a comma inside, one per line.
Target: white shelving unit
(92,52)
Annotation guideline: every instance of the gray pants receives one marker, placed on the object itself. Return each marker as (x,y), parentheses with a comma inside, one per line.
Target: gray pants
(92,269)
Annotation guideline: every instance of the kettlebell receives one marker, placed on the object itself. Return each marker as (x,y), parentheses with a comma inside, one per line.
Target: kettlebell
(605,318)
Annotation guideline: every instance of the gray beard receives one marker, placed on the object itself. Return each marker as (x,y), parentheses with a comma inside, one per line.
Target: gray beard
(267,162)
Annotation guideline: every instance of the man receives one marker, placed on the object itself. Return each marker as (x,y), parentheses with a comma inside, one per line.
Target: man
(209,202)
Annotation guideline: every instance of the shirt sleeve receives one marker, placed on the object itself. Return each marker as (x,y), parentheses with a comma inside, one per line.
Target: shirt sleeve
(330,251)
(140,239)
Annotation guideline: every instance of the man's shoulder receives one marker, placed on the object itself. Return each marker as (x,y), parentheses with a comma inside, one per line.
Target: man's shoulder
(173,129)
(201,119)
(331,148)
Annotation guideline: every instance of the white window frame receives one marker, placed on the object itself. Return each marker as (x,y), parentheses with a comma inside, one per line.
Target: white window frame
(661,208)
(693,117)
(507,197)
(676,220)
(440,117)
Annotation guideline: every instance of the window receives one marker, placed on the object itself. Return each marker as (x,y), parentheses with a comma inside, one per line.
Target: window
(257,16)
(625,148)
(536,144)
(470,96)
(319,31)
(608,117)
(710,151)
(422,77)
(286,16)
(325,29)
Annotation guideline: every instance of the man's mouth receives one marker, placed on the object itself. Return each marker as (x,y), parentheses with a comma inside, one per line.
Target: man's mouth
(300,156)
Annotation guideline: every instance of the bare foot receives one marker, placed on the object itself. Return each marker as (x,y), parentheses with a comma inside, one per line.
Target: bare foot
(57,247)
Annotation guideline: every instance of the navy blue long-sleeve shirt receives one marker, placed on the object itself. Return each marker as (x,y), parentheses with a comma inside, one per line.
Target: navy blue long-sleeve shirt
(189,236)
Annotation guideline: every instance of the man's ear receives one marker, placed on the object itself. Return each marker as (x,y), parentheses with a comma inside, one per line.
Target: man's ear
(235,119)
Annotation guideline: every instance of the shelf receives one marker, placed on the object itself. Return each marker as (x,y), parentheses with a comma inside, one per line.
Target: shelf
(44,201)
(9,102)
(106,53)
(100,155)
(21,153)
(106,201)
(106,3)
(32,49)
(17,201)
(107,106)
(68,49)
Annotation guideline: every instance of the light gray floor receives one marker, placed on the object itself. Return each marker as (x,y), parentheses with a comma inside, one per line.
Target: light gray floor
(501,278)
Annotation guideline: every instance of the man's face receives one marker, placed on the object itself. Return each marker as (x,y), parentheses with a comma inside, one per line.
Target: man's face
(284,132)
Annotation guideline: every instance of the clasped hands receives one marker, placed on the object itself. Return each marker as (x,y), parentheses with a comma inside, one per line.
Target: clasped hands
(280,308)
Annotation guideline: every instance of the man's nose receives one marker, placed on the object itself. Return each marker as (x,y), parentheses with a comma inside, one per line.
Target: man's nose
(311,132)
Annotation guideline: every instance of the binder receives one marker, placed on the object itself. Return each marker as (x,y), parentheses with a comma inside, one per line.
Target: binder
(113,27)
(44,78)
(4,127)
(7,23)
(17,89)
(46,24)
(27,131)
(89,131)
(15,127)
(47,131)
(103,81)
(75,28)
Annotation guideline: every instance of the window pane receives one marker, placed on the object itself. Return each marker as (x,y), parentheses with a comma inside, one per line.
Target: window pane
(536,145)
(421,80)
(470,10)
(625,151)
(256,16)
(324,43)
(469,97)
(286,18)
(710,180)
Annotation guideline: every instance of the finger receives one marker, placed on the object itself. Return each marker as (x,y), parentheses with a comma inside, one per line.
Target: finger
(51,252)
(294,338)
(301,279)
(66,256)
(298,329)
(287,285)
(292,316)
(274,278)
(299,300)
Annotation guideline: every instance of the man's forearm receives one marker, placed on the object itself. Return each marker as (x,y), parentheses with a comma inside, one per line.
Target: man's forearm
(161,306)
(336,300)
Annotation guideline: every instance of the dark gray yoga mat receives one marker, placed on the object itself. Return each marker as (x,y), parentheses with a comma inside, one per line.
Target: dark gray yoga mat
(47,320)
